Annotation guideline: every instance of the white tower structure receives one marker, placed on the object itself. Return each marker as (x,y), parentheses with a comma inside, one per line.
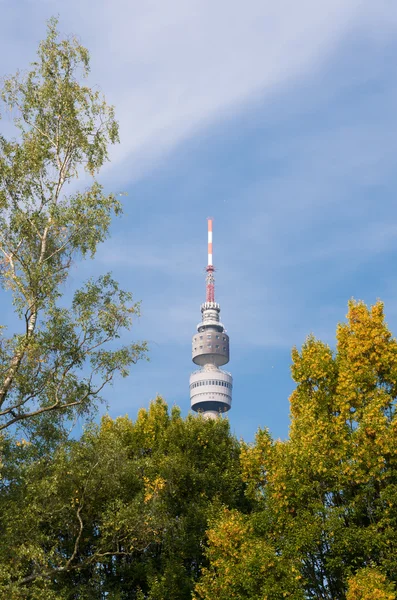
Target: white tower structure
(210,386)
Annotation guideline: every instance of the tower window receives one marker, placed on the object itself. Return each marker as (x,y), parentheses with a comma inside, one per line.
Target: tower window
(217,346)
(217,337)
(224,348)
(209,346)
(209,336)
(224,339)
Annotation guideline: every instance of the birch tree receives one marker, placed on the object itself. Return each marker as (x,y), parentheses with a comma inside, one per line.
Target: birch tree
(60,357)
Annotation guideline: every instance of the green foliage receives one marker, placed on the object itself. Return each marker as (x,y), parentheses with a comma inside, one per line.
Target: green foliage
(326,499)
(59,360)
(124,509)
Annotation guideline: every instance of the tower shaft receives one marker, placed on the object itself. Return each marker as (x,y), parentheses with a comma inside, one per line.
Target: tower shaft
(210,386)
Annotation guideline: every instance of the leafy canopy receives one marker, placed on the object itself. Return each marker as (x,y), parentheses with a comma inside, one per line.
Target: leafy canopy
(324,524)
(119,513)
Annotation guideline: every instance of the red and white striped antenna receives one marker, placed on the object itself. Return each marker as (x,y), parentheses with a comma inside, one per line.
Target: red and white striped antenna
(210,241)
(210,279)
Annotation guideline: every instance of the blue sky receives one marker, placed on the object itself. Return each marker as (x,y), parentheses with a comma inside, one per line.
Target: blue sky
(279,119)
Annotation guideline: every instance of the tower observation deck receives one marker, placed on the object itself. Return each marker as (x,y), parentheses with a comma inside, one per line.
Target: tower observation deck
(210,386)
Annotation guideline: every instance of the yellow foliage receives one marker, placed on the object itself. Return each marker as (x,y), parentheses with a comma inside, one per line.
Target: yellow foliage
(245,565)
(343,438)
(370,584)
(152,488)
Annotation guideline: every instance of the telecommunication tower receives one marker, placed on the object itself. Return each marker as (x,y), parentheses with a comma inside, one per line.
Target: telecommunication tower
(210,386)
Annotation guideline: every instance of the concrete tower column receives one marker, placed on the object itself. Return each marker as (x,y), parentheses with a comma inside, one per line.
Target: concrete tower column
(210,386)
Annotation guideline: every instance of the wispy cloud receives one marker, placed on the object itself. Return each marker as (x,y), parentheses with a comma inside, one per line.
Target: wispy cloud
(173,67)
